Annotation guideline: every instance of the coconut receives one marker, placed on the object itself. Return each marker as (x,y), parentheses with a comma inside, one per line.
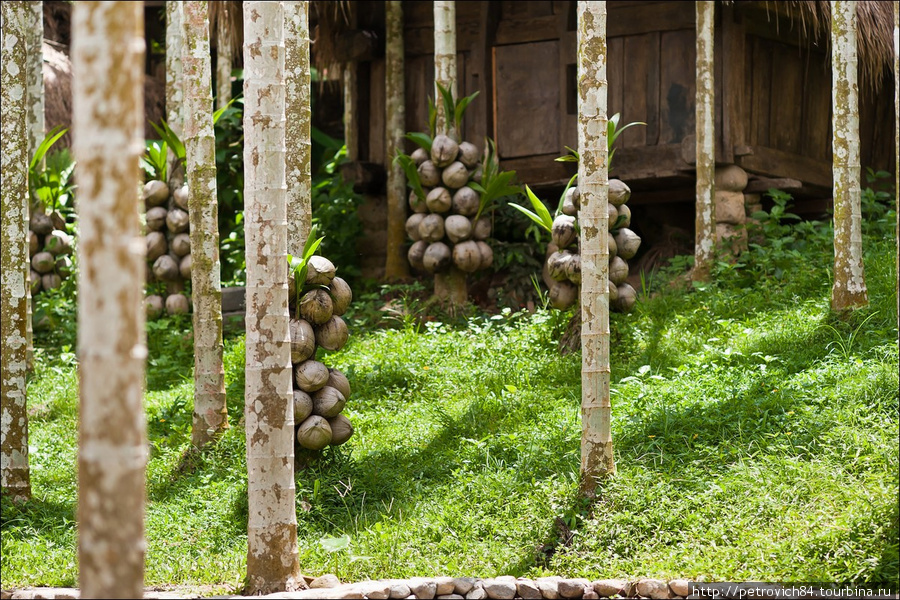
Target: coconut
(563,231)
(320,270)
(416,255)
(181,244)
(303,406)
(481,229)
(310,375)
(58,242)
(180,195)
(438,200)
(40,223)
(624,211)
(333,334)
(487,255)
(34,243)
(155,193)
(467,256)
(419,155)
(341,295)
(619,192)
(563,294)
(431,229)
(58,221)
(628,242)
(468,154)
(177,220)
(443,150)
(314,433)
(568,207)
(613,293)
(63,266)
(156,245)
(339,381)
(437,257)
(156,218)
(303,340)
(412,226)
(429,175)
(611,244)
(316,306)
(573,269)
(417,204)
(458,228)
(465,201)
(455,175)
(177,304)
(612,214)
(618,270)
(154,306)
(476,173)
(557,263)
(43,262)
(50,281)
(184,267)
(341,430)
(627,298)
(34,280)
(328,402)
(165,268)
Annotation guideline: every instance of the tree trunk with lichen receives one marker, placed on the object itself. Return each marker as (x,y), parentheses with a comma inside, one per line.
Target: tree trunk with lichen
(174,83)
(849,289)
(14,473)
(272,553)
(224,56)
(298,142)
(112,455)
(597,457)
(396,265)
(35,57)
(897,141)
(210,417)
(705,235)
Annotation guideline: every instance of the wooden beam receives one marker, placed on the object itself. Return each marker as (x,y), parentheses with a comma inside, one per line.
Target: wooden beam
(777,163)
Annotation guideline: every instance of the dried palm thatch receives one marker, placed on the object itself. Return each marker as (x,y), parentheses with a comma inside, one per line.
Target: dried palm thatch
(231,12)
(331,20)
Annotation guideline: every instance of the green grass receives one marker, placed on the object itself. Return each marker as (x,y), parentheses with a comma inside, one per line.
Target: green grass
(755,432)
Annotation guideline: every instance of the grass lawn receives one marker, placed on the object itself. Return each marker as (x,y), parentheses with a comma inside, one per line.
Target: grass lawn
(756,439)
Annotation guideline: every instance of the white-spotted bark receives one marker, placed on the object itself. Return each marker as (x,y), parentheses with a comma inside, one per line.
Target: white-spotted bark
(396,265)
(897,143)
(14,474)
(224,55)
(298,126)
(108,141)
(34,40)
(597,458)
(210,413)
(174,82)
(445,61)
(705,223)
(272,554)
(849,289)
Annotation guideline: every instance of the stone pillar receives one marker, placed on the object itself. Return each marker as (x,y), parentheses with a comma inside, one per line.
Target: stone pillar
(730,212)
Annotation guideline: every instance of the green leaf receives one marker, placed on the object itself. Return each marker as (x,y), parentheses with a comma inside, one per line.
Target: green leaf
(461,107)
(412,173)
(221,111)
(335,544)
(540,209)
(51,138)
(449,104)
(423,140)
(562,198)
(531,216)
(432,116)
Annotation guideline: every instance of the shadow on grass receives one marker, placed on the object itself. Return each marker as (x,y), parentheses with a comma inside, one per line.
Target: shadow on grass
(36,517)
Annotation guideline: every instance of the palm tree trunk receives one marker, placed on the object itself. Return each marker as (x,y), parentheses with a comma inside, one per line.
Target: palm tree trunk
(224,56)
(705,238)
(597,458)
(210,413)
(298,141)
(396,266)
(108,144)
(849,289)
(14,473)
(174,83)
(272,554)
(35,57)
(897,141)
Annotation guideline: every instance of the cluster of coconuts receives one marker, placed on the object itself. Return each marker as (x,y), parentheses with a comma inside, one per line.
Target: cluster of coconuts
(564,258)
(168,245)
(320,393)
(50,249)
(443,227)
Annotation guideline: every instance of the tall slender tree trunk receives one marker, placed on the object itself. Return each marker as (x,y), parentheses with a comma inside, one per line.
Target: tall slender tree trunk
(174,82)
(210,413)
(298,111)
(849,289)
(396,265)
(108,68)
(897,143)
(705,237)
(14,474)
(35,57)
(272,554)
(597,458)
(224,56)
(348,78)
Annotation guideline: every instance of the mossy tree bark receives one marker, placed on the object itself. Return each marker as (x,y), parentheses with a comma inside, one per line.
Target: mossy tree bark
(597,458)
(108,141)
(35,56)
(705,224)
(15,477)
(396,265)
(174,82)
(210,417)
(298,125)
(849,289)
(272,553)
(224,55)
